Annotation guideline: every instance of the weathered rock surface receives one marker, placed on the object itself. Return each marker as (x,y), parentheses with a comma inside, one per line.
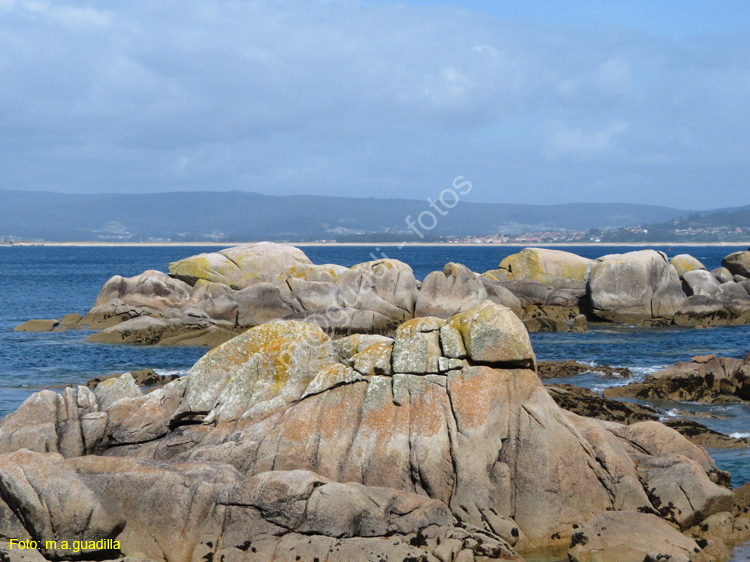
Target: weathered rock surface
(145,330)
(144,377)
(684,263)
(633,287)
(723,275)
(708,379)
(399,436)
(701,435)
(243,266)
(37,326)
(701,282)
(448,292)
(550,267)
(580,324)
(738,263)
(628,536)
(385,286)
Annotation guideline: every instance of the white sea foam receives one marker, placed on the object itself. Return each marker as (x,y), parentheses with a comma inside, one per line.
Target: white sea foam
(169,372)
(740,435)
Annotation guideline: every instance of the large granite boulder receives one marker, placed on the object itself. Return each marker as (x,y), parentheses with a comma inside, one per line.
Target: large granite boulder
(738,263)
(550,267)
(634,287)
(684,263)
(242,266)
(217,300)
(454,289)
(385,286)
(150,289)
(701,311)
(700,282)
(723,275)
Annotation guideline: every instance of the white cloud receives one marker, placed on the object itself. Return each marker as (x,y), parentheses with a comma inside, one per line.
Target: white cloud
(576,143)
(296,96)
(70,16)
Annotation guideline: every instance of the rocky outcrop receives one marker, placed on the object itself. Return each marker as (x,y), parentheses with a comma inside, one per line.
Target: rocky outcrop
(242,266)
(707,379)
(544,324)
(584,402)
(210,298)
(394,437)
(738,263)
(202,511)
(634,287)
(207,299)
(145,377)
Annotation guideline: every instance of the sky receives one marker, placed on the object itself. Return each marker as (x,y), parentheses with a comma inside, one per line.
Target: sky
(533,101)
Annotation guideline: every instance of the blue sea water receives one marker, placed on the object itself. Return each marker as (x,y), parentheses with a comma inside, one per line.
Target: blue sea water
(48,282)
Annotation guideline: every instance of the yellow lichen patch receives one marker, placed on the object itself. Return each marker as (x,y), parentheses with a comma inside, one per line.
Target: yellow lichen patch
(416,348)
(491,333)
(374,360)
(285,355)
(211,267)
(334,374)
(541,265)
(684,263)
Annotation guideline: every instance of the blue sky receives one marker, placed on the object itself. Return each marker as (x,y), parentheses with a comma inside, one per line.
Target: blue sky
(534,102)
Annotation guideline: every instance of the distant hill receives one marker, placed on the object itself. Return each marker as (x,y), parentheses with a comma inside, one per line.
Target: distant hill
(237,216)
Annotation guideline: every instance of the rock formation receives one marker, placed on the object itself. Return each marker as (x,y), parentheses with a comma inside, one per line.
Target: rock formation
(209,298)
(440,443)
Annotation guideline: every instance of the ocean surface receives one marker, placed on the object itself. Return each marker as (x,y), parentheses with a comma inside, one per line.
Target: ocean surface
(49,282)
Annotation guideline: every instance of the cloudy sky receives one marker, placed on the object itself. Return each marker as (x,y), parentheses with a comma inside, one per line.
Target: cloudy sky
(533,101)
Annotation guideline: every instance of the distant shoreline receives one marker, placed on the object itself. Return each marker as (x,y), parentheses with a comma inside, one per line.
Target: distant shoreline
(381,244)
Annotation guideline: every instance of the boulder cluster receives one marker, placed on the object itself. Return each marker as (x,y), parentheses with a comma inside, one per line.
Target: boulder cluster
(209,298)
(437,444)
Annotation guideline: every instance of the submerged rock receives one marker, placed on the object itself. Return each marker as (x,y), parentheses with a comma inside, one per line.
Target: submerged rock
(560,369)
(37,326)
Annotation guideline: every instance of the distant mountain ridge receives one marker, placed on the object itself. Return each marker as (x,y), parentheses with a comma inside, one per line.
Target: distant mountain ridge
(237,216)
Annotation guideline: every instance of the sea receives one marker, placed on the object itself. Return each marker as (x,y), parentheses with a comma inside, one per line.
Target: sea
(51,281)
